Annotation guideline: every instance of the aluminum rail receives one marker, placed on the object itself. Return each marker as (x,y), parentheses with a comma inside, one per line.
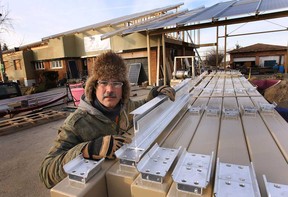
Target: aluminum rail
(149,122)
(129,181)
(179,137)
(277,126)
(233,154)
(204,139)
(122,176)
(264,151)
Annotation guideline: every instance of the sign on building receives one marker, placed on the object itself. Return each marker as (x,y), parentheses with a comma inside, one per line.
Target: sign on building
(94,43)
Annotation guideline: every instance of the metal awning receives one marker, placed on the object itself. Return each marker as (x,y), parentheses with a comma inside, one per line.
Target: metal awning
(224,13)
(118,20)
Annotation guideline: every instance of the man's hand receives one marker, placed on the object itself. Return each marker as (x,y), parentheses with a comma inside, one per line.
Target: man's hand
(160,90)
(104,147)
(168,91)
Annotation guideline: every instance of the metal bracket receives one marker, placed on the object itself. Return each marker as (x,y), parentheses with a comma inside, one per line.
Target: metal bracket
(266,107)
(243,79)
(274,189)
(192,172)
(240,90)
(212,111)
(235,73)
(81,170)
(229,91)
(208,90)
(129,155)
(251,89)
(148,125)
(217,90)
(235,180)
(196,109)
(198,89)
(230,112)
(156,163)
(249,110)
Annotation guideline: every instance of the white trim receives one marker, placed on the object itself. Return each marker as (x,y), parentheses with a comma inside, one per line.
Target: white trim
(56,64)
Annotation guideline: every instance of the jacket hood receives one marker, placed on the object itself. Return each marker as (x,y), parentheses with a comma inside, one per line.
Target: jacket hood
(107,66)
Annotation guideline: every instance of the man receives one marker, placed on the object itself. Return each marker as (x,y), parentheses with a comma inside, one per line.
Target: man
(95,129)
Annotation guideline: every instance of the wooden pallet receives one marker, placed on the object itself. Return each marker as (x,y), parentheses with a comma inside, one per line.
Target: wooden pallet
(23,122)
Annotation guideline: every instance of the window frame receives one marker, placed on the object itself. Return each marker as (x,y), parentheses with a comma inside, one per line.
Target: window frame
(39,66)
(56,64)
(17,64)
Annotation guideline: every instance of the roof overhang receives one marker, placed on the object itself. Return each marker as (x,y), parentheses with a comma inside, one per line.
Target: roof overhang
(222,22)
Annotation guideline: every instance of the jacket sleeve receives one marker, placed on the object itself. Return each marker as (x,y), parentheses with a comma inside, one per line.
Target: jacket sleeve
(67,146)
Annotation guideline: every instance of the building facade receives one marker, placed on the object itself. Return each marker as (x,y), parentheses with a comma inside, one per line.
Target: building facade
(70,55)
(262,56)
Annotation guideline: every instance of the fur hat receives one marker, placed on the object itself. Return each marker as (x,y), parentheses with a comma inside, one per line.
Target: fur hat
(108,66)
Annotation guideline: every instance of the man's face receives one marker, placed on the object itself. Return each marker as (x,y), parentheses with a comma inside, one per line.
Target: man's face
(109,92)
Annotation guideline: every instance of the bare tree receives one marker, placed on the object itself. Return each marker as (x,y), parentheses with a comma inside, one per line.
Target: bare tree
(211,57)
(5,21)
(5,25)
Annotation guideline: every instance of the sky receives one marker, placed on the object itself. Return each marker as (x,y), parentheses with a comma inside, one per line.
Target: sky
(33,20)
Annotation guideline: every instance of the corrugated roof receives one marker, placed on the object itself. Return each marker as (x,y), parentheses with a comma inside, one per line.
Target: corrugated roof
(259,47)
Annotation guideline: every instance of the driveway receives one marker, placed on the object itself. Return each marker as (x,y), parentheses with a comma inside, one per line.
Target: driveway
(20,158)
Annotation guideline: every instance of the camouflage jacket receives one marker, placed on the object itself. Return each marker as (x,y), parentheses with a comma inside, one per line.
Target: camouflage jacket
(85,124)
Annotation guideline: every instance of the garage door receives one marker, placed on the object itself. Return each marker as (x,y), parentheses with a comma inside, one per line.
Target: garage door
(244,59)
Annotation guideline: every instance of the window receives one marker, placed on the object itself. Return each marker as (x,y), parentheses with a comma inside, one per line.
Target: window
(56,64)
(17,64)
(39,66)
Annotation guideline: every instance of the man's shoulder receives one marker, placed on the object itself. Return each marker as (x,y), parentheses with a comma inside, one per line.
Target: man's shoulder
(76,116)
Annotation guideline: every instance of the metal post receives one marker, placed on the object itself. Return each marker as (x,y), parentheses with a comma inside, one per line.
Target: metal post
(158,61)
(164,58)
(225,46)
(217,47)
(148,57)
